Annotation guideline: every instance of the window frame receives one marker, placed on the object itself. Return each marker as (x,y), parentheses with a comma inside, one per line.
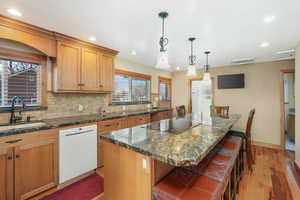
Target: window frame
(167,81)
(137,76)
(9,54)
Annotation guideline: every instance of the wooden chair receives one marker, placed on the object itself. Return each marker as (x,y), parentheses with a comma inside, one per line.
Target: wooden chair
(221,111)
(247,138)
(181,110)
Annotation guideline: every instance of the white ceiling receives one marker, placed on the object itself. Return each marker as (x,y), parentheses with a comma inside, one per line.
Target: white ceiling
(231,29)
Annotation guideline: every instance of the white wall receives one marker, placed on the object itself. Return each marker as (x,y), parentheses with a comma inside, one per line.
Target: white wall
(127,65)
(297,91)
(262,92)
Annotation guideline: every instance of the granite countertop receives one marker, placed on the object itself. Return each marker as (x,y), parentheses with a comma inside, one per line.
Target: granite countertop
(178,141)
(69,121)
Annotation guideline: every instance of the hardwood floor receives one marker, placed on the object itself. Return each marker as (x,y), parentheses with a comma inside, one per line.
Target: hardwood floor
(274,177)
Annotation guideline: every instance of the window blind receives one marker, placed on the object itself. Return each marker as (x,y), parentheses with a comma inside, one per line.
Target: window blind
(164,91)
(20,79)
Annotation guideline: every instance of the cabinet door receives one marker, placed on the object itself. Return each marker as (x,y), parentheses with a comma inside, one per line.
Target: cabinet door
(6,173)
(68,69)
(90,70)
(107,73)
(35,168)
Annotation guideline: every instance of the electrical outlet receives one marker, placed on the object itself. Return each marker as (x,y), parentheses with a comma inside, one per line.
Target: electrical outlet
(144,163)
(80,107)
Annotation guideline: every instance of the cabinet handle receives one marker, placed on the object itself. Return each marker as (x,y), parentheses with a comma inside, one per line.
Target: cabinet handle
(18,156)
(107,125)
(13,141)
(9,158)
(101,85)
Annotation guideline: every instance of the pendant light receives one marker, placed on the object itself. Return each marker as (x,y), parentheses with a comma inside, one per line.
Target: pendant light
(192,61)
(206,74)
(162,58)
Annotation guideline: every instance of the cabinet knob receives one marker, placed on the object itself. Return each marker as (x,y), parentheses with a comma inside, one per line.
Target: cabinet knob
(9,158)
(101,85)
(18,156)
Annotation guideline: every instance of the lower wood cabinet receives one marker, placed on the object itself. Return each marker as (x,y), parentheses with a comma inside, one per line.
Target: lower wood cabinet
(138,120)
(108,126)
(161,116)
(6,173)
(28,165)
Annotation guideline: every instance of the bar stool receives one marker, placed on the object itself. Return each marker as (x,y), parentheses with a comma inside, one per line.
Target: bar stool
(182,184)
(221,111)
(247,138)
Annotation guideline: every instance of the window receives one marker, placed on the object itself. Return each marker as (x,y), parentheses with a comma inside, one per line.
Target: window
(20,79)
(164,89)
(131,88)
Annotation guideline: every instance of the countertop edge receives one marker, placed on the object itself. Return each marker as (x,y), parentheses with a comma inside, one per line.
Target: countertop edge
(52,125)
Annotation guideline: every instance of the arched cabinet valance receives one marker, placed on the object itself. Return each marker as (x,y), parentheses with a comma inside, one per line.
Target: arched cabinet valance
(32,36)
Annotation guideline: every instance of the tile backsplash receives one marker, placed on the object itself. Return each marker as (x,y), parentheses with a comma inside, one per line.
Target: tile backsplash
(65,105)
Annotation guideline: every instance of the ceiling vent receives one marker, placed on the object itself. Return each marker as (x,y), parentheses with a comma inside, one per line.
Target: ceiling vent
(287,52)
(243,61)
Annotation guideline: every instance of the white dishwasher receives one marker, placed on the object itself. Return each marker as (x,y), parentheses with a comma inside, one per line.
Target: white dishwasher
(77,151)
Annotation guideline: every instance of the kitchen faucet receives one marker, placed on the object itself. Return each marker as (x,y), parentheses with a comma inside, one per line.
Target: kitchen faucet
(13,117)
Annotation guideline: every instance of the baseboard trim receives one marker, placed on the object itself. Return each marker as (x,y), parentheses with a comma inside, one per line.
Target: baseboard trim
(268,145)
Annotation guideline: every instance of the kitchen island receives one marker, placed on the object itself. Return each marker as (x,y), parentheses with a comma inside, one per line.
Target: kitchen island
(137,158)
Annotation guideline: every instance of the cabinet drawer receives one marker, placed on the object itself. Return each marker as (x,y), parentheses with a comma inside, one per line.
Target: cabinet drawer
(120,123)
(165,115)
(138,120)
(20,139)
(106,126)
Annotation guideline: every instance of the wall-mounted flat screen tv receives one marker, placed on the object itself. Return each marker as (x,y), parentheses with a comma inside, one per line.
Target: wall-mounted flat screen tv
(231,81)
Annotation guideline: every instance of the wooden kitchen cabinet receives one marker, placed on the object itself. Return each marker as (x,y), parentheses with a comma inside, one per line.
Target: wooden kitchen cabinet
(30,163)
(138,120)
(107,73)
(69,66)
(90,73)
(161,116)
(35,168)
(82,69)
(6,173)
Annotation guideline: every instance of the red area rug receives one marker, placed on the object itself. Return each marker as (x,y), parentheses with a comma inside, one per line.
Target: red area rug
(85,189)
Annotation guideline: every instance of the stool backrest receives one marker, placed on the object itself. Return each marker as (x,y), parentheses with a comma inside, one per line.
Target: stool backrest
(221,111)
(249,123)
(249,153)
(181,110)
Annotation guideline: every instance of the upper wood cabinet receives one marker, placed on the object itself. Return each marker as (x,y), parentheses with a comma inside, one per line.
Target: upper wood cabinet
(83,69)
(90,72)
(69,65)
(107,73)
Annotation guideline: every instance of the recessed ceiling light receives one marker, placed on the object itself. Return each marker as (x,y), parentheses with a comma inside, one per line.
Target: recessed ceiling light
(178,68)
(133,53)
(264,44)
(14,12)
(93,39)
(269,19)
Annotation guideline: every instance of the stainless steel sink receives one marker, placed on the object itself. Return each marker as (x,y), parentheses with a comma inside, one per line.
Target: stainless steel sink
(6,127)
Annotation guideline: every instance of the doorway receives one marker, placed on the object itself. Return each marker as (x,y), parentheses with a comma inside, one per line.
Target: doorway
(288,109)
(199,95)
